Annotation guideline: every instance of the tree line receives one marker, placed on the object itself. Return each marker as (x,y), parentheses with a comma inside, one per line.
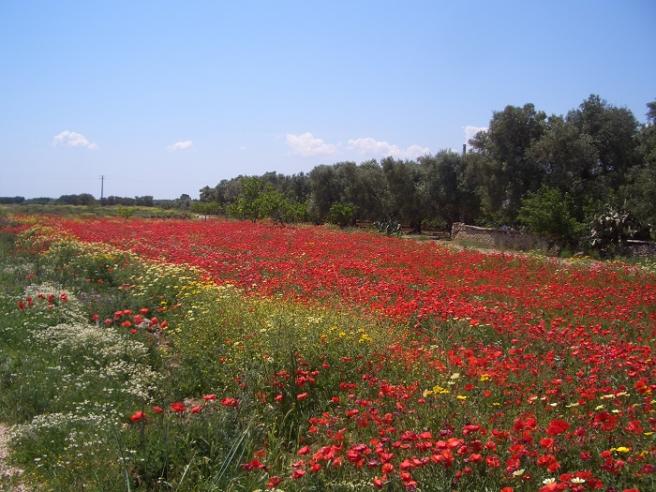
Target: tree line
(86,199)
(561,176)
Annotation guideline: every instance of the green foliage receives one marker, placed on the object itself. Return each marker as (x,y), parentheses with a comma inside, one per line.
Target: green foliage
(564,156)
(444,189)
(81,199)
(274,205)
(548,213)
(95,211)
(407,196)
(246,207)
(206,208)
(258,199)
(341,214)
(640,189)
(510,172)
(326,190)
(613,132)
(640,193)
(11,199)
(125,212)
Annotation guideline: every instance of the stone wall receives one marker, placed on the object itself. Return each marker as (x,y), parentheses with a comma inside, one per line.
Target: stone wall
(486,237)
(496,238)
(641,249)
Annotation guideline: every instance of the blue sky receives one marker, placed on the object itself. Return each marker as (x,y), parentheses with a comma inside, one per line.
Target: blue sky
(166,97)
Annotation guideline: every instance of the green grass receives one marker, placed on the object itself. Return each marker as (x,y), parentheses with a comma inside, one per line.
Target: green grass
(89,211)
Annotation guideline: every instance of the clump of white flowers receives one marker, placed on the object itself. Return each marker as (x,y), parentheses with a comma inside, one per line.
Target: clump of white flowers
(120,362)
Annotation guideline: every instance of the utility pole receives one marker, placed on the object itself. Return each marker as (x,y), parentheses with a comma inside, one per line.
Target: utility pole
(102,187)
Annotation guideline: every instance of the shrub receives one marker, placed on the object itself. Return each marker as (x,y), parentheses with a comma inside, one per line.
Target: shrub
(548,213)
(341,214)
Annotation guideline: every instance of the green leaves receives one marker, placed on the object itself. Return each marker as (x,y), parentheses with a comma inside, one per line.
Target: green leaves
(548,212)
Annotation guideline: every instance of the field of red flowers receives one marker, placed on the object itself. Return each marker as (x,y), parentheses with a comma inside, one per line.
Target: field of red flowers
(523,370)
(405,279)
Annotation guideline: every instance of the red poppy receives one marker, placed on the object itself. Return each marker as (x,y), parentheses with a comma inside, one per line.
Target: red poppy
(178,407)
(273,482)
(557,426)
(229,402)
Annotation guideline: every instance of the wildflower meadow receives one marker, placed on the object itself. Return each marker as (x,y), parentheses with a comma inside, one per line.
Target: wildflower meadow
(216,355)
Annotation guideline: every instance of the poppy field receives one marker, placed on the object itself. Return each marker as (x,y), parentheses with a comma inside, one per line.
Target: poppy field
(256,356)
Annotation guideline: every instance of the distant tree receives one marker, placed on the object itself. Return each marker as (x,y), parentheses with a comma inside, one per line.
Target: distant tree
(509,171)
(565,156)
(119,200)
(208,194)
(640,190)
(11,199)
(326,190)
(224,193)
(43,200)
(470,183)
(144,201)
(206,208)
(614,134)
(297,188)
(404,181)
(246,206)
(81,199)
(365,187)
(184,202)
(165,203)
(441,180)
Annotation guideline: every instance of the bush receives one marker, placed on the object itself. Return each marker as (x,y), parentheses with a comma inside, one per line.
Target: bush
(206,208)
(548,213)
(341,214)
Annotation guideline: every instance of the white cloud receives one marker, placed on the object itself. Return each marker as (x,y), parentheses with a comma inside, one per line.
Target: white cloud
(414,151)
(471,131)
(181,145)
(378,148)
(307,145)
(68,138)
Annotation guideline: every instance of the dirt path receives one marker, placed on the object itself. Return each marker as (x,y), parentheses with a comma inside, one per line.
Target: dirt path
(8,474)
